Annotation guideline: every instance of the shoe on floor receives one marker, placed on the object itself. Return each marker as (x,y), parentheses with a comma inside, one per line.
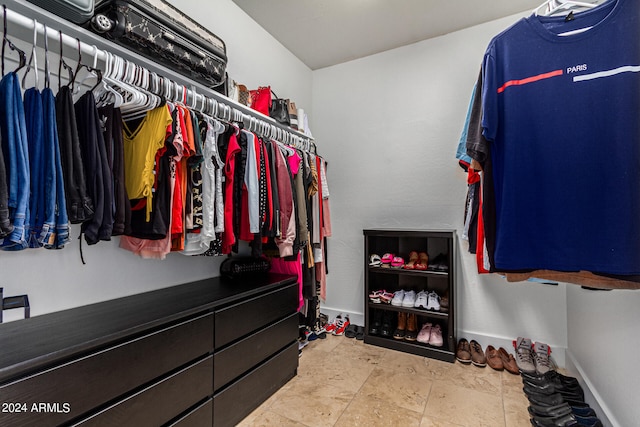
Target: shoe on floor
(433,301)
(463,352)
(421,300)
(588,421)
(549,411)
(435,339)
(398,296)
(351,331)
(493,358)
(425,333)
(333,325)
(552,384)
(567,420)
(409,299)
(551,376)
(477,355)
(342,325)
(524,355)
(568,392)
(559,410)
(541,354)
(508,361)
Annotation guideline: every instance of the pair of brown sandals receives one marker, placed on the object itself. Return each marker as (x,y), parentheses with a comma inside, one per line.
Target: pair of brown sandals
(417,261)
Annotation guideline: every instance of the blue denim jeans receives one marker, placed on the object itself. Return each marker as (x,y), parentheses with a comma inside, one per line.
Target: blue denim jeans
(34,123)
(48,199)
(16,151)
(60,233)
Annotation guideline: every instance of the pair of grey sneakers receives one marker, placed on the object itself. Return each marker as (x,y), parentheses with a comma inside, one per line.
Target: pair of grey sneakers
(532,358)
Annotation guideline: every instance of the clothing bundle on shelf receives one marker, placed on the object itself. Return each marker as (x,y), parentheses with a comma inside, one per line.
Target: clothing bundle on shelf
(166,168)
(552,129)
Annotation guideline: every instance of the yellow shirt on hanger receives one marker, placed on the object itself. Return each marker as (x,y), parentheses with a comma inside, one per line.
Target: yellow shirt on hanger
(140,147)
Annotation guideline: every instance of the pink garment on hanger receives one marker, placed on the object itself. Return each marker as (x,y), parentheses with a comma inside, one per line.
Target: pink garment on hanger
(294,162)
(279,265)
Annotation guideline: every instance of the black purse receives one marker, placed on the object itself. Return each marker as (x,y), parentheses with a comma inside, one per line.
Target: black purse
(279,110)
(237,267)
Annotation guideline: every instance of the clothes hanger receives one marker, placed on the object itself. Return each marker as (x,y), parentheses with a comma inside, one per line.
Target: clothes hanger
(115,80)
(551,7)
(33,58)
(6,41)
(103,92)
(92,72)
(62,63)
(47,72)
(138,79)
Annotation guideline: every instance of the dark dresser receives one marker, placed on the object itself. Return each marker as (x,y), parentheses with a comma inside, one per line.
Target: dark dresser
(198,354)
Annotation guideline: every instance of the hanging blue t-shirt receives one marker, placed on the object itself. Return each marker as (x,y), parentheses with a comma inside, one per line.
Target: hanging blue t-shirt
(561,111)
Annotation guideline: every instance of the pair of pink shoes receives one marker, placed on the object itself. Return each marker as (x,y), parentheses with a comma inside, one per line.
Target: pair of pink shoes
(431,334)
(390,260)
(381,296)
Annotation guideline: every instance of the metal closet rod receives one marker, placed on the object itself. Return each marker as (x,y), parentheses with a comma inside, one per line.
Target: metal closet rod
(226,108)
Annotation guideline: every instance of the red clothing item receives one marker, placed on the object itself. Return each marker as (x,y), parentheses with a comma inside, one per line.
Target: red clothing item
(245,226)
(245,232)
(176,205)
(480,244)
(228,237)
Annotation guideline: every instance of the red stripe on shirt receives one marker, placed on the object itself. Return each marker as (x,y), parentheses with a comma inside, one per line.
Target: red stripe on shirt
(529,80)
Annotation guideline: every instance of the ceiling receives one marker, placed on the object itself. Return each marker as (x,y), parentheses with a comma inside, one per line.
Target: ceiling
(322,33)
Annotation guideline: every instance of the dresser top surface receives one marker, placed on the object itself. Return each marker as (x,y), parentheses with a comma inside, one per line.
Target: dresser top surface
(42,340)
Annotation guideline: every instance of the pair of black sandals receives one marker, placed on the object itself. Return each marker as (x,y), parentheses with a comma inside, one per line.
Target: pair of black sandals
(354,331)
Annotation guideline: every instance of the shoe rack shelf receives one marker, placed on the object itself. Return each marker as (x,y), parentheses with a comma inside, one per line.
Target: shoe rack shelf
(400,243)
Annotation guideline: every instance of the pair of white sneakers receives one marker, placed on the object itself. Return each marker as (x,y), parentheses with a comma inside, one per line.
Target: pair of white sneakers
(403,298)
(423,299)
(428,300)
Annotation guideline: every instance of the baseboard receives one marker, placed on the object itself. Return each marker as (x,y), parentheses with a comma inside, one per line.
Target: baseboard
(591,395)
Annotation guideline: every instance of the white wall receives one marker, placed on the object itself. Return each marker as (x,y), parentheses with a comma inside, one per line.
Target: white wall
(604,348)
(389,124)
(57,280)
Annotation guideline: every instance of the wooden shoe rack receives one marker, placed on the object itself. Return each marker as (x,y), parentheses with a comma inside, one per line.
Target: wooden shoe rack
(401,243)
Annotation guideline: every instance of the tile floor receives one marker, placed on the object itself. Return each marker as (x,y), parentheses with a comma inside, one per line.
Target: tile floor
(344,382)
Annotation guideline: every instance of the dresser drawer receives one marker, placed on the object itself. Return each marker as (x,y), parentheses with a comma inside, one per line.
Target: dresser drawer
(240,319)
(201,416)
(161,402)
(97,378)
(237,358)
(237,400)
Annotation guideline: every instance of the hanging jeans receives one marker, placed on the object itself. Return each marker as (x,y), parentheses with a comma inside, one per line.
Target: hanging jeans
(34,123)
(14,145)
(5,223)
(59,235)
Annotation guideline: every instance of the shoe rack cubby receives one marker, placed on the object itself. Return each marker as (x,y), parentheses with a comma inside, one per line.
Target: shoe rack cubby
(401,243)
